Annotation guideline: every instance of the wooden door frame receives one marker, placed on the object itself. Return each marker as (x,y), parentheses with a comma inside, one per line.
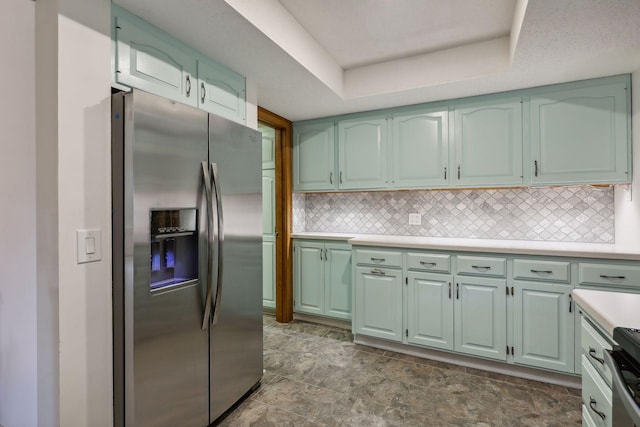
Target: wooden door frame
(283,218)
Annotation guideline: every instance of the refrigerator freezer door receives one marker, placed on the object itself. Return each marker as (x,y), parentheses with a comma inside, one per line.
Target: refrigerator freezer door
(165,349)
(236,336)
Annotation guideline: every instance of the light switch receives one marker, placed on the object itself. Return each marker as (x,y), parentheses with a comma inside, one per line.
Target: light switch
(89,245)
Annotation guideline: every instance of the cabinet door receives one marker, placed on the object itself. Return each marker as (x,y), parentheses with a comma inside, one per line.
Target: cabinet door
(149,60)
(580,136)
(430,310)
(420,150)
(309,277)
(221,91)
(378,305)
(268,271)
(362,153)
(488,144)
(268,146)
(337,276)
(268,202)
(543,326)
(480,317)
(314,157)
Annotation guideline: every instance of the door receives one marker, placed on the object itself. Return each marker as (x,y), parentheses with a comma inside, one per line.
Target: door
(236,330)
(221,91)
(543,325)
(420,150)
(162,380)
(308,277)
(488,144)
(337,276)
(480,311)
(268,237)
(378,305)
(430,310)
(314,157)
(362,153)
(580,136)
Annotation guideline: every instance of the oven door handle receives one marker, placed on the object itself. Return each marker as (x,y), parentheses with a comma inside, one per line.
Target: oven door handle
(630,407)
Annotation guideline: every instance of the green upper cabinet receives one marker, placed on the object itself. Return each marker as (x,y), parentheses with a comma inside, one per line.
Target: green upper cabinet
(150,60)
(488,144)
(420,150)
(147,58)
(314,157)
(581,135)
(362,153)
(221,91)
(268,146)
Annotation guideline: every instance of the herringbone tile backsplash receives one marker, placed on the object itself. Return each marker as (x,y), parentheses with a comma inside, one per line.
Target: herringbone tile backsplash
(577,213)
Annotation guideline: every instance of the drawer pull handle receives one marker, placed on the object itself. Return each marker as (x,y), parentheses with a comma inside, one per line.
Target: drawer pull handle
(541,271)
(592,404)
(378,259)
(481,267)
(428,264)
(592,354)
(605,276)
(378,272)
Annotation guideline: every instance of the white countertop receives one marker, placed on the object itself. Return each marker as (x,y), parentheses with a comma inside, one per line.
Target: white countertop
(569,249)
(610,309)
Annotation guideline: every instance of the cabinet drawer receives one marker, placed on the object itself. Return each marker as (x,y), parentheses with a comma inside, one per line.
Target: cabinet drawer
(627,276)
(429,262)
(482,266)
(587,421)
(593,347)
(596,395)
(554,271)
(378,257)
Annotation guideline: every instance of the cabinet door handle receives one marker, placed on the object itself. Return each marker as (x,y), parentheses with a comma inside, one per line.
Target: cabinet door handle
(457,290)
(604,276)
(203,90)
(592,354)
(570,303)
(445,173)
(330,177)
(458,171)
(535,166)
(378,259)
(542,271)
(481,267)
(449,290)
(188,85)
(326,254)
(592,404)
(428,264)
(340,177)
(378,272)
(320,254)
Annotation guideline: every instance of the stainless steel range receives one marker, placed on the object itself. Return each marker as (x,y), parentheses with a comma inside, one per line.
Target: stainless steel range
(624,362)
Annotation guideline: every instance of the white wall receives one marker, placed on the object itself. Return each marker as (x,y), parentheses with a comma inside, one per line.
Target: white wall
(84,200)
(18,299)
(627,213)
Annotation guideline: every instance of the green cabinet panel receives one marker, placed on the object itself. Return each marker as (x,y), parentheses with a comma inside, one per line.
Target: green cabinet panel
(221,91)
(378,302)
(338,280)
(268,146)
(580,135)
(322,278)
(314,157)
(480,307)
(149,60)
(488,144)
(543,325)
(268,271)
(362,153)
(430,310)
(308,271)
(268,202)
(420,150)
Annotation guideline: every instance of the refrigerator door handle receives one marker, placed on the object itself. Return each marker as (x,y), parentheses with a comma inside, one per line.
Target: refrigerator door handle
(207,303)
(216,188)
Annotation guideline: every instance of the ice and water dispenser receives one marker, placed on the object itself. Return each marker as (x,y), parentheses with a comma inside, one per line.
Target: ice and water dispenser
(174,248)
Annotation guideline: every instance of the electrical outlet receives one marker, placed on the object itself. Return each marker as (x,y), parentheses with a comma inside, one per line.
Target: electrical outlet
(415,219)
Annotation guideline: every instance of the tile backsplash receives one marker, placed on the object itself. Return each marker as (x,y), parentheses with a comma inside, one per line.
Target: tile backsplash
(577,213)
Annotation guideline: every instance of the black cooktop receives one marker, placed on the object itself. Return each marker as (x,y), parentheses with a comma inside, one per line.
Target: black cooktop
(629,341)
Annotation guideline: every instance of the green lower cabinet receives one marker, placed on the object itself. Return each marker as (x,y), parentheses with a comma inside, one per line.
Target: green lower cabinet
(430,310)
(480,308)
(322,278)
(268,272)
(378,302)
(543,326)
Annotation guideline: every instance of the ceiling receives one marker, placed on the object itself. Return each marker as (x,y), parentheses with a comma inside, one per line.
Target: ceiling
(314,58)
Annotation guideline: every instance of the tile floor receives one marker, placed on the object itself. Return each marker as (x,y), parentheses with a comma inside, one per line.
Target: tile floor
(315,376)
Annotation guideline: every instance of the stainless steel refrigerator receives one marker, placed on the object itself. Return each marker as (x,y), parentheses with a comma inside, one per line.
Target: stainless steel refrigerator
(187,262)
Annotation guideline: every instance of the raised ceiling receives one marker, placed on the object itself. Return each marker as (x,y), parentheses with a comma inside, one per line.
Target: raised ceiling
(314,58)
